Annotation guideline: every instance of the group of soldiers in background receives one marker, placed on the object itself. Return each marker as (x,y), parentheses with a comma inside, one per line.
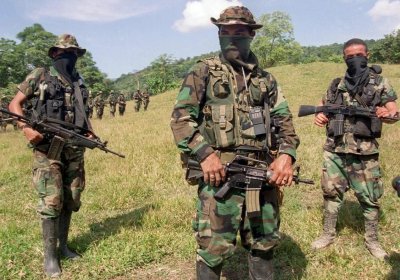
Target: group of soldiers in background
(113,100)
(141,97)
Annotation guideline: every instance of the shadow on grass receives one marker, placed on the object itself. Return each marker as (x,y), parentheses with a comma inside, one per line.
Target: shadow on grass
(351,216)
(394,261)
(110,226)
(289,262)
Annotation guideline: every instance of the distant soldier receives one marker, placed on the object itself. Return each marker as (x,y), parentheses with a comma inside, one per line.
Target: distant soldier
(121,104)
(138,98)
(90,106)
(146,99)
(112,100)
(99,104)
(3,124)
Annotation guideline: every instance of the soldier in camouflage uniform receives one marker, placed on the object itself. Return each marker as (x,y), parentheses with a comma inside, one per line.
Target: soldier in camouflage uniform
(121,104)
(138,98)
(351,158)
(146,99)
(90,105)
(112,101)
(211,122)
(99,104)
(57,92)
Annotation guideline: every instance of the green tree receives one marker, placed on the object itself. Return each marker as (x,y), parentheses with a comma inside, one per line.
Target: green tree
(274,43)
(12,67)
(161,76)
(387,50)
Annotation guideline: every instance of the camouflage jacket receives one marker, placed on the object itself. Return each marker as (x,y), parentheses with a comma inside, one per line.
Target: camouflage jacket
(214,95)
(348,143)
(57,95)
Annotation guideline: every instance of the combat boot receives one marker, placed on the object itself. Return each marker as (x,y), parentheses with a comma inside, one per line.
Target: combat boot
(329,231)
(204,272)
(260,268)
(64,223)
(371,239)
(51,263)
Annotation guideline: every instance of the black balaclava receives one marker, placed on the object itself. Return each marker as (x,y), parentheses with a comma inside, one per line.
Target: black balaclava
(65,65)
(357,74)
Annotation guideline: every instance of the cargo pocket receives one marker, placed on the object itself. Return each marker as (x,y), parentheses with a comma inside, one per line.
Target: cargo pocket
(222,117)
(220,84)
(40,180)
(201,224)
(375,186)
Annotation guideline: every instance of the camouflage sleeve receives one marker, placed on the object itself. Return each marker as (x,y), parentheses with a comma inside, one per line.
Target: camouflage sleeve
(31,83)
(387,93)
(185,115)
(280,110)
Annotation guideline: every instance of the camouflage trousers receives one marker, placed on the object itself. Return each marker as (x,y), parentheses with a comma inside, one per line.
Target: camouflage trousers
(217,223)
(361,173)
(138,103)
(59,183)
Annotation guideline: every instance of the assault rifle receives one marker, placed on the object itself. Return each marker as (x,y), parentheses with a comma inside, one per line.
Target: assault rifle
(306,110)
(241,176)
(52,127)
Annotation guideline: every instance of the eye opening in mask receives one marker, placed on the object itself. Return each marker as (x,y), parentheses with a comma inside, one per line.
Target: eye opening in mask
(355,55)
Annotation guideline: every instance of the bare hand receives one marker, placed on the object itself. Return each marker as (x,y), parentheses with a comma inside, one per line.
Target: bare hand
(320,119)
(213,170)
(282,171)
(33,136)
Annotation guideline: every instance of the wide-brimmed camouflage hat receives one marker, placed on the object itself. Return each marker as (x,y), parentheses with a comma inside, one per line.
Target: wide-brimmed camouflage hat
(66,41)
(236,15)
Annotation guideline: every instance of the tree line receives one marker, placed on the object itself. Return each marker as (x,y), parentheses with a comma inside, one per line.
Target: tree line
(274,45)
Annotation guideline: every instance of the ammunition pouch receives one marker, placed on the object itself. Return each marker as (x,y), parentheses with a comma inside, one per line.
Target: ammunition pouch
(368,127)
(336,126)
(56,147)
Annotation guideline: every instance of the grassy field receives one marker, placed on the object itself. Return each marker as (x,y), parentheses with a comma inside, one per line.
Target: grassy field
(135,220)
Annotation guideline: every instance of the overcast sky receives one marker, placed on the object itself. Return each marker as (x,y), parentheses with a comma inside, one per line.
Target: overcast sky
(126,35)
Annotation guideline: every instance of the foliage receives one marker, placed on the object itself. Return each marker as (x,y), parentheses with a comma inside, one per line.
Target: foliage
(17,60)
(274,43)
(387,50)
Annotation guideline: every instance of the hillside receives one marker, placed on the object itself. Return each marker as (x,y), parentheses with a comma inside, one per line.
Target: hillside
(135,219)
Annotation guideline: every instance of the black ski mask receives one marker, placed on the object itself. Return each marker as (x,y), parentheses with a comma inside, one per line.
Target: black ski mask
(357,74)
(65,65)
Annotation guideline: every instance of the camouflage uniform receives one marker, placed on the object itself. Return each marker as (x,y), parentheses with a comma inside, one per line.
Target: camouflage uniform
(211,114)
(113,103)
(121,104)
(59,181)
(351,161)
(90,106)
(146,99)
(99,104)
(138,100)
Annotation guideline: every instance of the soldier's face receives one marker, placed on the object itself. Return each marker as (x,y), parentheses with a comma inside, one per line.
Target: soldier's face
(355,50)
(235,30)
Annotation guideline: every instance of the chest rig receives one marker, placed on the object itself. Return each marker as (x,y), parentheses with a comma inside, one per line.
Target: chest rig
(56,99)
(236,110)
(361,127)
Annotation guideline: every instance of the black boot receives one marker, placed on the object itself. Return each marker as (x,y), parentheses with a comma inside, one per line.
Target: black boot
(65,221)
(51,264)
(204,272)
(261,268)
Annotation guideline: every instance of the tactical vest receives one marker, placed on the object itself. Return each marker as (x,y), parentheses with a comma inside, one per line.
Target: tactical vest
(361,127)
(57,100)
(231,119)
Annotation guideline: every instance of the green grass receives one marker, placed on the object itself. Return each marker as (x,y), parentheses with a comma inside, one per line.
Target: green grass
(135,220)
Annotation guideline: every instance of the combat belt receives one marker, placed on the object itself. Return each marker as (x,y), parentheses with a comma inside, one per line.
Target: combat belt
(243,173)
